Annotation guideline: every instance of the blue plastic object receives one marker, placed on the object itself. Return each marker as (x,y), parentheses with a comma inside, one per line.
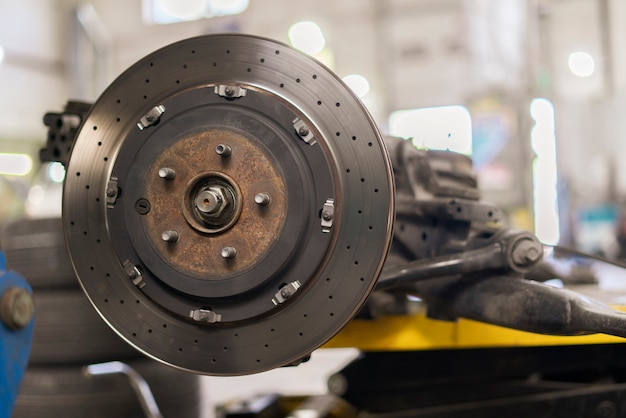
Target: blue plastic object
(14,346)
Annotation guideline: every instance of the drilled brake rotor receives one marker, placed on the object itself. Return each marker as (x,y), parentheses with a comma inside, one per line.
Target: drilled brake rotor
(228,205)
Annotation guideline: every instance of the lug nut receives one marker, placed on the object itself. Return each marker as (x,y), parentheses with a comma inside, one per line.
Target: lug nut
(16,307)
(167,173)
(262,199)
(169,236)
(223,150)
(228,252)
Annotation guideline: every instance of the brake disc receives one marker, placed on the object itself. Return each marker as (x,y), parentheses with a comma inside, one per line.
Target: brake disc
(228,205)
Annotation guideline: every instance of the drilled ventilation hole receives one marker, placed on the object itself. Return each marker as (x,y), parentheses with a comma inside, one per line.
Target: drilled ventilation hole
(236,335)
(424,236)
(375,190)
(354,138)
(319,102)
(332,314)
(72,223)
(87,187)
(262,60)
(282,85)
(149,331)
(180,349)
(145,97)
(118,101)
(78,174)
(249,70)
(108,274)
(348,248)
(338,133)
(347,170)
(193,51)
(196,341)
(258,360)
(164,325)
(330,296)
(328,279)
(118,120)
(266,345)
(151,64)
(106,158)
(99,144)
(369,144)
(95,128)
(225,349)
(184,66)
(272,330)
(356,263)
(213,360)
(338,104)
(106,301)
(305,316)
(92,268)
(137,301)
(297,80)
(301,334)
(360,212)
(314,76)
(277,52)
(362,279)
(215,64)
(362,180)
(177,81)
(370,227)
(98,241)
(228,51)
(121,301)
(147,80)
(84,232)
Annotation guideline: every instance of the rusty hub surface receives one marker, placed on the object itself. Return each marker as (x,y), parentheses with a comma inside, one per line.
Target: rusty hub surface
(252,229)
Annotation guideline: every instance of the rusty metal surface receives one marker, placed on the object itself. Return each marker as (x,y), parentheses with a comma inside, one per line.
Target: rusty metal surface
(255,229)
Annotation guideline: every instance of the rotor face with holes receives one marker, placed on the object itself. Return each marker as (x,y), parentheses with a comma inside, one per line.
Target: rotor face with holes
(228,205)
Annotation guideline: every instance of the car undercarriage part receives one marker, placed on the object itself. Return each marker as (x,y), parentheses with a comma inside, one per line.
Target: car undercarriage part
(449,251)
(228,205)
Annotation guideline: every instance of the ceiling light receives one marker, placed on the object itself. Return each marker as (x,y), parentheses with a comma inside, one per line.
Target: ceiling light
(15,164)
(307,37)
(581,64)
(358,84)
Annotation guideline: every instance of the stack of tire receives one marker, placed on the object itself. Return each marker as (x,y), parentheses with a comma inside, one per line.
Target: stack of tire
(69,335)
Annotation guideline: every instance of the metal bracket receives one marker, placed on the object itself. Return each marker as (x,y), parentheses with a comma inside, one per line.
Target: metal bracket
(151,118)
(133,274)
(230,92)
(205,315)
(112,192)
(304,132)
(328,214)
(286,292)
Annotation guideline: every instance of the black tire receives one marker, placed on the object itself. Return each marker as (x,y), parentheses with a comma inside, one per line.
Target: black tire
(64,391)
(68,330)
(36,249)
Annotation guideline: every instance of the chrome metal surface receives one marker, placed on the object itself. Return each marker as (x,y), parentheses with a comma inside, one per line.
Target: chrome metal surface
(145,287)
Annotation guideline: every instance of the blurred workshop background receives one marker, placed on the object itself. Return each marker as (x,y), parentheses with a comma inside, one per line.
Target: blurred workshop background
(533,90)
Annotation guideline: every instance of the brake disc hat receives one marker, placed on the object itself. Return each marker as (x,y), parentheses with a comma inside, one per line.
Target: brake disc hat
(228,205)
